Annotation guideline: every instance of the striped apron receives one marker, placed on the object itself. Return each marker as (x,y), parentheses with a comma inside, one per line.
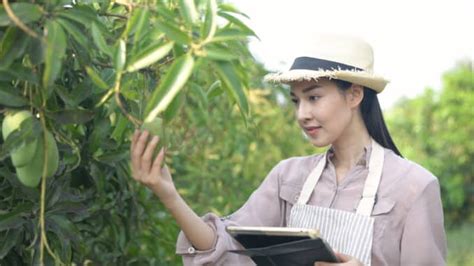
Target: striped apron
(347,232)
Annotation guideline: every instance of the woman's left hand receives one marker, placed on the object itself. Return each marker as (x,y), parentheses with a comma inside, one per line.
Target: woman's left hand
(345,260)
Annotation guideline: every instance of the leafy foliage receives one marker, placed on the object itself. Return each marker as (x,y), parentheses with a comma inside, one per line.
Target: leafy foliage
(435,129)
(460,245)
(92,72)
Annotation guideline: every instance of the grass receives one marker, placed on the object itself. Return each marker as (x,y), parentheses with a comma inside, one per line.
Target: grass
(461,245)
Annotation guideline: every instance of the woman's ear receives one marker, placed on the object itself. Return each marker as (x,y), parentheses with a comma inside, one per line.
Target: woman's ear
(355,94)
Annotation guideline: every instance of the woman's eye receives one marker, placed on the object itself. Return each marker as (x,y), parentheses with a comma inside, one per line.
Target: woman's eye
(295,101)
(313,98)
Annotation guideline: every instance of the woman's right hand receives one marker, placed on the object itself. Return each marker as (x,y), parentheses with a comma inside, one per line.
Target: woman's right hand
(148,170)
(345,260)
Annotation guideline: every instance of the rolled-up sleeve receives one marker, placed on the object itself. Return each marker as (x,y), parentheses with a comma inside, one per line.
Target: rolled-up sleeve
(423,240)
(263,208)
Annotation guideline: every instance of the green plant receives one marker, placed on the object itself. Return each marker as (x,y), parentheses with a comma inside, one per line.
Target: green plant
(92,72)
(435,129)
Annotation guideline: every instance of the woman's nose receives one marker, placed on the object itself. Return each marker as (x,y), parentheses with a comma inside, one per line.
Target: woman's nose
(303,112)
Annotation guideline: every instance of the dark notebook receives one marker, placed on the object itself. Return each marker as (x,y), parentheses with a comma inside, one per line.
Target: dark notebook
(281,245)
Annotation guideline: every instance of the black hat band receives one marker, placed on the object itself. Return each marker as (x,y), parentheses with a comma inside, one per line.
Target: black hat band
(311,63)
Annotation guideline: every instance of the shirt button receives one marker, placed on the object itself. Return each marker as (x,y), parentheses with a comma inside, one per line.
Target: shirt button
(191,250)
(296,198)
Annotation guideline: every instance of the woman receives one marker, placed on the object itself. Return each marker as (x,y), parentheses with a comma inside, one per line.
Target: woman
(370,204)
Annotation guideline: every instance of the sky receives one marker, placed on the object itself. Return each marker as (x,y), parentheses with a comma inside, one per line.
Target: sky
(414,42)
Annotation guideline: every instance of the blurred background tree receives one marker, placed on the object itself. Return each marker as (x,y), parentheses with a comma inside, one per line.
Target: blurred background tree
(110,64)
(436,129)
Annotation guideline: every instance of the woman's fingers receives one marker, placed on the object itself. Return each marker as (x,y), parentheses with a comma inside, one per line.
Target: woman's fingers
(343,257)
(140,147)
(148,154)
(343,260)
(156,168)
(135,153)
(144,169)
(135,136)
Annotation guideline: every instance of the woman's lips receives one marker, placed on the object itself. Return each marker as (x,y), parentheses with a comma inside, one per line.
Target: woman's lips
(312,131)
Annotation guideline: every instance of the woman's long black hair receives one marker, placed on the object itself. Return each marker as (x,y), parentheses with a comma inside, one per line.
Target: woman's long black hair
(372,116)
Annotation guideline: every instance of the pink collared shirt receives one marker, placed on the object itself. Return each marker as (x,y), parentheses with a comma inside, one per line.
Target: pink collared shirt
(408,230)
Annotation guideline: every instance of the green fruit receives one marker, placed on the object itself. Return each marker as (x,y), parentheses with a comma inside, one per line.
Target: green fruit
(154,127)
(13,121)
(22,155)
(30,174)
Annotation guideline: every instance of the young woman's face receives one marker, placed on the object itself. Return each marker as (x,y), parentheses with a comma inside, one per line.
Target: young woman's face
(322,111)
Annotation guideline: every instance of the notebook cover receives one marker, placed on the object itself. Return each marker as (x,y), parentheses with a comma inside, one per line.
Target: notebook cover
(298,252)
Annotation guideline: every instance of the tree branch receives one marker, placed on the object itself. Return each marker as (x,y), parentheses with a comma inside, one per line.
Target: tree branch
(17,21)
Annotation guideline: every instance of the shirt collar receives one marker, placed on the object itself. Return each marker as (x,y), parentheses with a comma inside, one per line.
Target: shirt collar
(364,158)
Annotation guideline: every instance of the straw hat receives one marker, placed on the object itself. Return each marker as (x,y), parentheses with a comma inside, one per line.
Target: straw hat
(336,57)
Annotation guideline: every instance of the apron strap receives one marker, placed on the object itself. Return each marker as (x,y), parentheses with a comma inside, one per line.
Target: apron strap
(312,180)
(372,182)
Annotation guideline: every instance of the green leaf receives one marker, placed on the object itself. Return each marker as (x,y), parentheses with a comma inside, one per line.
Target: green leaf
(179,50)
(238,23)
(96,79)
(61,244)
(10,97)
(99,40)
(233,85)
(229,35)
(174,107)
(149,56)
(119,129)
(78,116)
(74,31)
(18,72)
(219,54)
(101,128)
(55,50)
(172,83)
(26,12)
(120,56)
(35,50)
(82,14)
(174,32)
(62,205)
(209,26)
(166,13)
(214,90)
(188,11)
(13,219)
(65,96)
(10,239)
(230,8)
(11,223)
(139,19)
(113,156)
(8,41)
(13,45)
(201,95)
(63,227)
